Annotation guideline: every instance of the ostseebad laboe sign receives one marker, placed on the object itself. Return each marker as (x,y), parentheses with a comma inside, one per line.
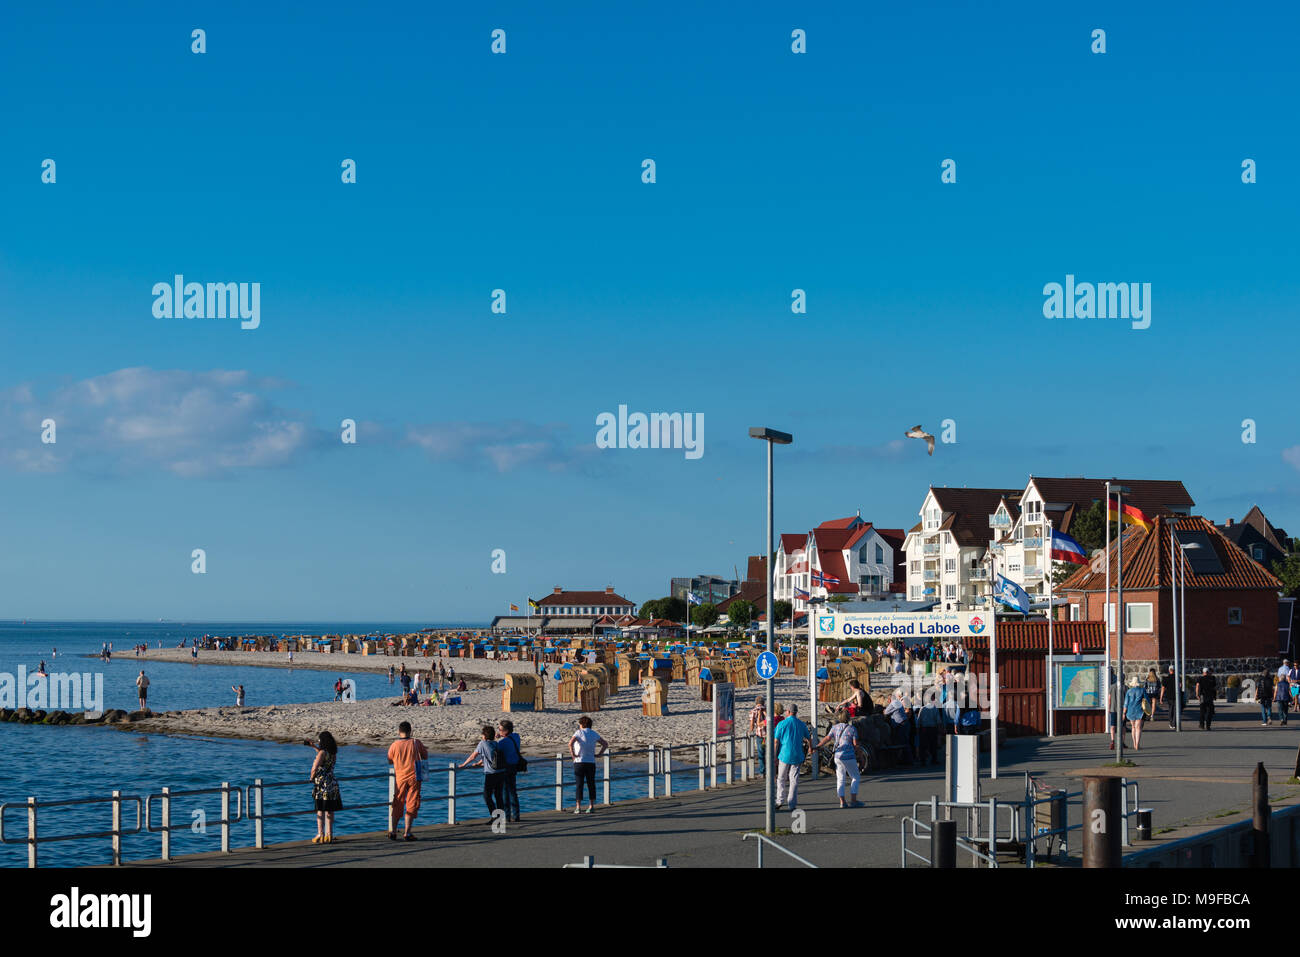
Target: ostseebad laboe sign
(905,625)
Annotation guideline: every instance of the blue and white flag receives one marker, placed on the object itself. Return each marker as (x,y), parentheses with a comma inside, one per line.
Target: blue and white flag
(1012,595)
(693,599)
(800,594)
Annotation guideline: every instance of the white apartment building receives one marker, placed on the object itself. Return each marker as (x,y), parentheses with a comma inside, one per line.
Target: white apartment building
(857,553)
(947,550)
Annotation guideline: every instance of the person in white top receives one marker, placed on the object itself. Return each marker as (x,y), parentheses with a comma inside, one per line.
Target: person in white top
(142,685)
(583,746)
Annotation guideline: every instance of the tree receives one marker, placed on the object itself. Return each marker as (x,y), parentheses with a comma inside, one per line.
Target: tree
(782,610)
(1089,527)
(703,616)
(674,609)
(839,599)
(1288,570)
(740,613)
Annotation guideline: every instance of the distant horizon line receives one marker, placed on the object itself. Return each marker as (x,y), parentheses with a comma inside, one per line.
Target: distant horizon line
(226,621)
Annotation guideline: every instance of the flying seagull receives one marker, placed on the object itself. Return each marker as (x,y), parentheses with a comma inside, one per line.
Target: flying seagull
(916,432)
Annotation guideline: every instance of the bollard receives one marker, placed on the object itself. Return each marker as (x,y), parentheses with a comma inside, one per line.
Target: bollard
(1101,821)
(944,851)
(1262,812)
(1144,824)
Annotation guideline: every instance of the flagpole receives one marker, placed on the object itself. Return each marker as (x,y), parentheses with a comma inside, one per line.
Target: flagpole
(1051,614)
(1105,610)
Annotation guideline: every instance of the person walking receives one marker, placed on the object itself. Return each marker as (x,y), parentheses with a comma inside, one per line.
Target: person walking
(407,756)
(758,729)
(325,787)
(1264,696)
(789,740)
(487,754)
(1206,688)
(512,747)
(142,689)
(1135,708)
(583,746)
(1152,688)
(846,757)
(929,728)
(1169,694)
(1282,694)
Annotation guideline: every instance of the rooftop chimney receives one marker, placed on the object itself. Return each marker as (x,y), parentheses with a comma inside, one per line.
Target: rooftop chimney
(558,590)
(609,590)
(1230,521)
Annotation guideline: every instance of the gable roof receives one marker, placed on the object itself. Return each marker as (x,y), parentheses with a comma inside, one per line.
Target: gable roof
(970,509)
(1256,519)
(851,522)
(792,543)
(1153,496)
(756,571)
(1147,562)
(583,598)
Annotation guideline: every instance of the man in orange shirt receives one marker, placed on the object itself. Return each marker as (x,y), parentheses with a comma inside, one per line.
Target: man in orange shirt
(402,755)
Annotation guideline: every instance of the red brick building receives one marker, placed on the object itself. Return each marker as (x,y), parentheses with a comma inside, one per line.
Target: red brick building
(1232,601)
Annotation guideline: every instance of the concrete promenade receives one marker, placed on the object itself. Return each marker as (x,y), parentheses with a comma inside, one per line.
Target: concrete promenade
(1188,779)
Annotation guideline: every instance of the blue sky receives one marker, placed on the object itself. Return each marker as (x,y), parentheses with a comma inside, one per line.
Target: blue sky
(522,171)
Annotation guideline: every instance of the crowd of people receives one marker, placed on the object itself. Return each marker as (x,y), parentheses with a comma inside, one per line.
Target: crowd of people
(899,657)
(498,752)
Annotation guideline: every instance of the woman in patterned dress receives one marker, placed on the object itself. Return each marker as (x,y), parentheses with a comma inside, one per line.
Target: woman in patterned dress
(325,787)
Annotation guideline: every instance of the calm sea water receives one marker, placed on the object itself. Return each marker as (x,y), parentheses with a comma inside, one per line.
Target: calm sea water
(61,763)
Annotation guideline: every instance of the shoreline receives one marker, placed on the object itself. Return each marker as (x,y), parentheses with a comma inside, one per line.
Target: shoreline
(373,721)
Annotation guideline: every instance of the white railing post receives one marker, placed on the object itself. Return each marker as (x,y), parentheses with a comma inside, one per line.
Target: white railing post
(713,764)
(451,793)
(31,832)
(700,751)
(389,823)
(559,785)
(744,759)
(668,772)
(117,828)
(606,772)
(729,761)
(225,817)
(650,777)
(258,836)
(166,824)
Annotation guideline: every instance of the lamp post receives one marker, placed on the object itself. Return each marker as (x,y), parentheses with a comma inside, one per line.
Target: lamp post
(1119,491)
(771,437)
(813,603)
(1180,652)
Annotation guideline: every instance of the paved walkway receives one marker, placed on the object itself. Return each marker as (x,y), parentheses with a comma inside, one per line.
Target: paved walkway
(1187,778)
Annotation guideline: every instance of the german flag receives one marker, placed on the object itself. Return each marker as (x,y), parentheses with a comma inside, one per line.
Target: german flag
(514,607)
(1132,515)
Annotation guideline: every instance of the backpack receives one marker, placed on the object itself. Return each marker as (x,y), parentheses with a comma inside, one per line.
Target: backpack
(495,760)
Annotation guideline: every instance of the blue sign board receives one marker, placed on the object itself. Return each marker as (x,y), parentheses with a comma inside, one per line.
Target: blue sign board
(766,666)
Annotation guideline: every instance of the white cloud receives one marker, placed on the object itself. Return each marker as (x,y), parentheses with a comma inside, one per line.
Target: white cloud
(192,424)
(504,445)
(1292,455)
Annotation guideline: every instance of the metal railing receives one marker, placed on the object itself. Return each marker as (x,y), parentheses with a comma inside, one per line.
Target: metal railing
(764,839)
(725,762)
(928,836)
(165,797)
(589,861)
(976,833)
(34,838)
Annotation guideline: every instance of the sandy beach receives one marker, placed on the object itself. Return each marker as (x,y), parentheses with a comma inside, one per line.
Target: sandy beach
(452,728)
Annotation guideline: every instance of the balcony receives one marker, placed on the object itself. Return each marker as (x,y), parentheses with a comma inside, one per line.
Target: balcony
(1033,571)
(1000,520)
(1034,543)
(930,575)
(930,549)
(977,573)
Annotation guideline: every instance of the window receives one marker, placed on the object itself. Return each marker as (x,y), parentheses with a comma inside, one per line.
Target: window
(880,555)
(950,591)
(949,565)
(1234,616)
(915,566)
(1257,552)
(862,555)
(1137,616)
(1074,612)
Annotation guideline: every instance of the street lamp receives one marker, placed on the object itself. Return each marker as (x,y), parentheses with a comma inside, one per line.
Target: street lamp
(771,437)
(813,603)
(1120,491)
(1180,633)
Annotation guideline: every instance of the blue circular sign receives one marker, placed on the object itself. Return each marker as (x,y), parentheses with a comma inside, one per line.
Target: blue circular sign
(766,666)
